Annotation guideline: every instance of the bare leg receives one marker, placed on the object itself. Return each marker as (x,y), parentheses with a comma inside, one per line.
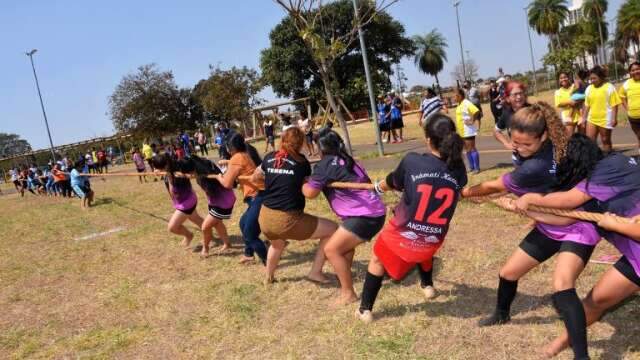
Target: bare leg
(176,226)
(518,265)
(635,126)
(221,229)
(324,230)
(569,129)
(340,251)
(207,236)
(592,131)
(273,258)
(611,289)
(605,137)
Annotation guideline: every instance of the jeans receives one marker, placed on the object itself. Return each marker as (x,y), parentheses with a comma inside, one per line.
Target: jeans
(250,228)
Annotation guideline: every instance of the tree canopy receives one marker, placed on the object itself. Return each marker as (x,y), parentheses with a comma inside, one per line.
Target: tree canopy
(148,102)
(289,68)
(430,53)
(229,94)
(12,144)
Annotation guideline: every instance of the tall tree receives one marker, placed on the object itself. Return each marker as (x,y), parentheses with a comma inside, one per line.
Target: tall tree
(430,53)
(327,39)
(471,68)
(148,103)
(12,144)
(546,16)
(230,94)
(628,26)
(594,10)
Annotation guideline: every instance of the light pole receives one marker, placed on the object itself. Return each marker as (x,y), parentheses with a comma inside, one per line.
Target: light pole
(46,123)
(372,100)
(533,63)
(464,68)
(613,49)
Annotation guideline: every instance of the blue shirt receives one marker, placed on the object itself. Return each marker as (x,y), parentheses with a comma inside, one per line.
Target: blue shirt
(76,179)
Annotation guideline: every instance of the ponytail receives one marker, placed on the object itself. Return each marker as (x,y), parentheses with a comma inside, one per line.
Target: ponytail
(203,168)
(581,157)
(441,131)
(538,119)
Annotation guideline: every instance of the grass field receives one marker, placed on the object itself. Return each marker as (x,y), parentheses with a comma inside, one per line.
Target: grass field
(135,293)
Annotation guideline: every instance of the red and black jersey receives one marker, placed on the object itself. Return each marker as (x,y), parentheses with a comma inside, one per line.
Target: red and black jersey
(430,193)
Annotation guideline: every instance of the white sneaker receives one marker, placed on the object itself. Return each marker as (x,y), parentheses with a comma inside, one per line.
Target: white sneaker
(385,140)
(366,316)
(429,292)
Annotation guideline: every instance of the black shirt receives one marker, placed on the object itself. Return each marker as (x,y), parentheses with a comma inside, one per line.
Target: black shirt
(283,182)
(430,192)
(504,122)
(536,173)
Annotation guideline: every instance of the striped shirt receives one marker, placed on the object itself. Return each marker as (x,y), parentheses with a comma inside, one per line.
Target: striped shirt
(430,106)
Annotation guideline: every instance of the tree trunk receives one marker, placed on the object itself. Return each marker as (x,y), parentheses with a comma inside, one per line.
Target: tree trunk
(326,81)
(438,85)
(604,51)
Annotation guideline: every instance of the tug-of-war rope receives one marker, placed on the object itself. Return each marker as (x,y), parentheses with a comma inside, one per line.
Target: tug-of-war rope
(503,202)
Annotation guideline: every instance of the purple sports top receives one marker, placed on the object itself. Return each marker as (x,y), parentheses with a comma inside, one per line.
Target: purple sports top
(182,194)
(615,184)
(537,174)
(223,198)
(346,202)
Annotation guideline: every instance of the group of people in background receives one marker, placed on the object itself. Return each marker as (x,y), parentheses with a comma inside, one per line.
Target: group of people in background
(390,119)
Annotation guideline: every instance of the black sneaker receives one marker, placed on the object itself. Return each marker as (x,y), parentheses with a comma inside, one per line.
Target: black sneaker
(497,318)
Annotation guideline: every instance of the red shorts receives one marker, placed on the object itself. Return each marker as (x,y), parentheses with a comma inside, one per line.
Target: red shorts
(394,265)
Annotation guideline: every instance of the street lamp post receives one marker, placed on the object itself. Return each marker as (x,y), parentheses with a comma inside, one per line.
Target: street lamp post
(464,68)
(613,50)
(533,63)
(372,100)
(44,114)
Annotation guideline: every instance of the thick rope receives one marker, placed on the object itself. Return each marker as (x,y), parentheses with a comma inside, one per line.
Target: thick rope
(508,204)
(246,178)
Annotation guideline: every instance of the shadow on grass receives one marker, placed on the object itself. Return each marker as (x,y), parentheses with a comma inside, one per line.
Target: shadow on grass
(623,340)
(138,211)
(103,201)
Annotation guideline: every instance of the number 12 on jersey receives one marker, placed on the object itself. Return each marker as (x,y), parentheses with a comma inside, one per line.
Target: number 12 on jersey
(447,196)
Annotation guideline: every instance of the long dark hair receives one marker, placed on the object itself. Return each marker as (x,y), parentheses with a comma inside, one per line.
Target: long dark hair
(580,159)
(170,166)
(236,143)
(441,131)
(204,167)
(332,144)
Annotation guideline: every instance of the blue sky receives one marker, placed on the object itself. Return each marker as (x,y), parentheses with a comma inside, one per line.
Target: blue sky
(85,47)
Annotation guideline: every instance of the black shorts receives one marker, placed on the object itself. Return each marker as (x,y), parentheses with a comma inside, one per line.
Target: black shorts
(364,227)
(385,127)
(271,140)
(541,247)
(85,189)
(190,210)
(16,182)
(309,137)
(624,267)
(397,124)
(220,213)
(140,170)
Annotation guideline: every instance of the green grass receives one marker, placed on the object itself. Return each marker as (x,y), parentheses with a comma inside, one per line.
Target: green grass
(137,294)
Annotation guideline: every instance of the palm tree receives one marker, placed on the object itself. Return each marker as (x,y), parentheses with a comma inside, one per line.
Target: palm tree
(430,53)
(546,16)
(628,26)
(595,10)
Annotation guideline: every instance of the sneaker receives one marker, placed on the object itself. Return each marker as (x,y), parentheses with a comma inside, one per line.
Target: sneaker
(476,171)
(365,316)
(429,292)
(497,318)
(385,140)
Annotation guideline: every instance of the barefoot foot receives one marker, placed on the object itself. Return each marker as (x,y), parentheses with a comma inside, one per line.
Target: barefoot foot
(343,300)
(318,278)
(187,240)
(246,259)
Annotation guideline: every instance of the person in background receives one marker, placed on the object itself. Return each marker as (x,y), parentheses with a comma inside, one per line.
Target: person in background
(473,95)
(81,185)
(516,98)
(431,105)
(186,143)
(139,162)
(397,123)
(202,142)
(630,94)
(601,108)
(564,103)
(468,125)
(494,101)
(89,165)
(96,163)
(305,124)
(269,135)
(384,119)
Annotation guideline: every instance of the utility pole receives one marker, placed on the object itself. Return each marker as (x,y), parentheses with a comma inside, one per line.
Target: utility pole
(464,68)
(533,63)
(44,114)
(372,100)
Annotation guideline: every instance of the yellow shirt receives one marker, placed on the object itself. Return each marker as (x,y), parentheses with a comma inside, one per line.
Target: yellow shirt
(631,91)
(601,102)
(465,125)
(146,151)
(568,114)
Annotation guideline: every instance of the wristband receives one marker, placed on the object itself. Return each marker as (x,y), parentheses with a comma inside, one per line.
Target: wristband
(377,188)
